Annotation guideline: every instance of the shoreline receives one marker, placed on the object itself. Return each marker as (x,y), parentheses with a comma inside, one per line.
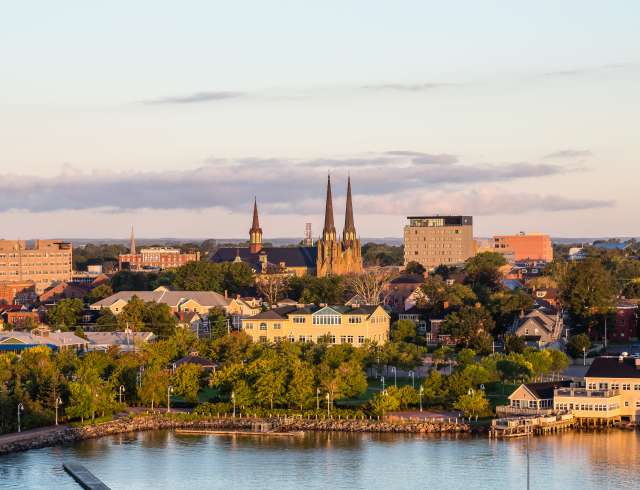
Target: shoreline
(66,435)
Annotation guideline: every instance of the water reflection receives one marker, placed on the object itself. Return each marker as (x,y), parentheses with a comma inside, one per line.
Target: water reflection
(335,460)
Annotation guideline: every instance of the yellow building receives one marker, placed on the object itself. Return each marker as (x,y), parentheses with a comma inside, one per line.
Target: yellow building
(332,324)
(611,392)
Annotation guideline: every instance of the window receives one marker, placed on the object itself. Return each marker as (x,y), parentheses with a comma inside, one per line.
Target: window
(248,326)
(326,320)
(626,387)
(350,339)
(615,386)
(636,387)
(626,404)
(343,339)
(332,339)
(263,326)
(361,339)
(603,386)
(263,339)
(277,326)
(591,386)
(637,403)
(302,338)
(355,319)
(532,404)
(298,319)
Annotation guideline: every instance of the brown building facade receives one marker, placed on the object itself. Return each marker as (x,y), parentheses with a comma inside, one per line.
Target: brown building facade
(44,262)
(438,240)
(17,292)
(156,258)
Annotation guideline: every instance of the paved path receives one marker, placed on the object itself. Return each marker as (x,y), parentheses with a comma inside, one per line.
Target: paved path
(26,435)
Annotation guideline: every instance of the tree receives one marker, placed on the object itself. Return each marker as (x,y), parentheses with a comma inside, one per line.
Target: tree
(483,270)
(587,289)
(153,390)
(438,297)
(107,321)
(466,357)
(467,324)
(382,402)
(578,345)
(511,370)
(559,360)
(301,388)
(368,286)
(405,330)
(505,306)
(273,287)
(159,319)
(473,403)
(540,360)
(434,389)
(514,343)
(270,384)
(132,315)
(414,267)
(217,323)
(311,289)
(66,313)
(98,293)
(199,276)
(186,381)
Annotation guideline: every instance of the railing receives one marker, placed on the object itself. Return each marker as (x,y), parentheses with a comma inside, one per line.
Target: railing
(584,393)
(508,410)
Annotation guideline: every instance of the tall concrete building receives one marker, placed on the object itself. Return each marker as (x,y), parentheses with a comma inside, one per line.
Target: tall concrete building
(44,262)
(438,240)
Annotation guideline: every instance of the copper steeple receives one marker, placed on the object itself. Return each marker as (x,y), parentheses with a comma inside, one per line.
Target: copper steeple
(349,232)
(329,231)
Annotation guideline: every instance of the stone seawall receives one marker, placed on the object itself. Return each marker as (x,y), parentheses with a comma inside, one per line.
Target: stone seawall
(69,435)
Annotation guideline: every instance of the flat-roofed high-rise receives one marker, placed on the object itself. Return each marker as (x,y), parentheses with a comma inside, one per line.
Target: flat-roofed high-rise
(438,240)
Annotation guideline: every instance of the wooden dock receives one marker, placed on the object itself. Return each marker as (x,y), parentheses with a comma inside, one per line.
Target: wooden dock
(524,426)
(84,477)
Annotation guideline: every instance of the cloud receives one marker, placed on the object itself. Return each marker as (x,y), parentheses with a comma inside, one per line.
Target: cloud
(568,154)
(283,185)
(196,97)
(408,87)
(589,70)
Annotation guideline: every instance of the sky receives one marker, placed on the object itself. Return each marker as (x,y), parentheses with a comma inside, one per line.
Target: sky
(171,116)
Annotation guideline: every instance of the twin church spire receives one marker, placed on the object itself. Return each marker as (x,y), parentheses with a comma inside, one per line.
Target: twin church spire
(329,230)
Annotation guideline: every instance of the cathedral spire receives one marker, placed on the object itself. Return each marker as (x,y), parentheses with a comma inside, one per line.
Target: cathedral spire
(255,233)
(132,246)
(349,231)
(329,231)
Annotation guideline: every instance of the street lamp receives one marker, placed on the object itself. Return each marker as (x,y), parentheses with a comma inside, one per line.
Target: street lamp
(421,393)
(413,380)
(395,376)
(169,391)
(317,398)
(328,406)
(382,380)
(584,356)
(20,409)
(121,392)
(233,400)
(57,404)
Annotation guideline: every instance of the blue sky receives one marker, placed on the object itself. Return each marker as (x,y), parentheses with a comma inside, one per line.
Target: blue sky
(173,115)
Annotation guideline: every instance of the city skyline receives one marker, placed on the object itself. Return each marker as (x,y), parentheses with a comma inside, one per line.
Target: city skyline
(505,113)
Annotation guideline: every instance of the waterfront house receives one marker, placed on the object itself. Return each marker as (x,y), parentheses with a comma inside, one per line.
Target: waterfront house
(538,327)
(532,399)
(611,392)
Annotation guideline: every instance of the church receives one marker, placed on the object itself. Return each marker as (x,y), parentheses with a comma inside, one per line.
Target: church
(329,256)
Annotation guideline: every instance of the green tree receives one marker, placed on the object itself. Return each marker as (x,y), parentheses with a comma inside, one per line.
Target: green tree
(217,323)
(270,385)
(132,315)
(414,267)
(301,389)
(107,321)
(153,390)
(159,319)
(66,313)
(483,270)
(98,293)
(473,403)
(186,381)
(405,330)
(466,357)
(382,403)
(559,360)
(577,345)
(434,389)
(587,289)
(467,324)
(514,343)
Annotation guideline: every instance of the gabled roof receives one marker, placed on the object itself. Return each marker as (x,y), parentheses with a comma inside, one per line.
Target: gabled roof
(118,338)
(170,298)
(544,391)
(612,367)
(408,279)
(291,256)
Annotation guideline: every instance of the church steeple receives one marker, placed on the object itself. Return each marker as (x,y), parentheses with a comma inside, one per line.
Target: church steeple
(255,233)
(132,246)
(329,230)
(349,231)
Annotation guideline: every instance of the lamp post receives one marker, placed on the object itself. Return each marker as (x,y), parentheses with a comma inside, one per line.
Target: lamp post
(58,402)
(233,401)
(120,392)
(413,380)
(395,376)
(328,405)
(584,356)
(382,380)
(20,409)
(317,398)
(169,391)
(421,393)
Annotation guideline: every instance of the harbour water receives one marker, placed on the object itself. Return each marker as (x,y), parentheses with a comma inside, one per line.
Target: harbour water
(155,460)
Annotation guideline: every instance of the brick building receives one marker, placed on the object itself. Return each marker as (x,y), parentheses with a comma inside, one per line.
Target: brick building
(523,246)
(44,262)
(438,240)
(17,292)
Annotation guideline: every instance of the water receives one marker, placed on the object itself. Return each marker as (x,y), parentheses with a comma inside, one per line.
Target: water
(370,461)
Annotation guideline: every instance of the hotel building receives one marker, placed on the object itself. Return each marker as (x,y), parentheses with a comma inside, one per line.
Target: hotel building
(438,240)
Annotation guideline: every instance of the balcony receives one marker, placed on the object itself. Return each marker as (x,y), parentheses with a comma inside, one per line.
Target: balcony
(584,393)
(508,411)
